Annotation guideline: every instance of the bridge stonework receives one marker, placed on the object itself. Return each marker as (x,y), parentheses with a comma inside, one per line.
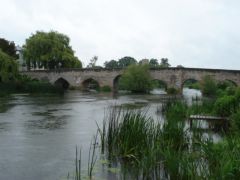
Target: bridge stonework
(173,77)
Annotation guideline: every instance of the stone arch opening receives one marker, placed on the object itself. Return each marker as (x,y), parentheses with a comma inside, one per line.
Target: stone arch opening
(158,87)
(191,83)
(159,84)
(61,82)
(226,84)
(90,84)
(116,83)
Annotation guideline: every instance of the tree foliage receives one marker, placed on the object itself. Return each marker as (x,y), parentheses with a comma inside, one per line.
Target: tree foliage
(49,50)
(225,106)
(126,61)
(208,86)
(111,64)
(164,63)
(153,63)
(8,47)
(92,62)
(136,78)
(8,67)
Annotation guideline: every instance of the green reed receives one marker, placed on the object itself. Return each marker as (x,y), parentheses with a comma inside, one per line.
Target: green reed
(148,150)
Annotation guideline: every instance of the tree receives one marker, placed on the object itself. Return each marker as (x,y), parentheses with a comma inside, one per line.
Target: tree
(49,50)
(93,61)
(126,61)
(153,63)
(8,67)
(111,64)
(136,78)
(9,48)
(164,63)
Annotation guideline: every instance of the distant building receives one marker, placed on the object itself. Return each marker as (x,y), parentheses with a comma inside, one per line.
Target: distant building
(144,61)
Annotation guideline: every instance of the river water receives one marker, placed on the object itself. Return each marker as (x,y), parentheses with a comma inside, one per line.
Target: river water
(39,134)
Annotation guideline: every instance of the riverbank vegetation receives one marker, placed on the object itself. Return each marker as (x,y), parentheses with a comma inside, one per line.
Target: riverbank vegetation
(136,78)
(12,82)
(144,148)
(147,149)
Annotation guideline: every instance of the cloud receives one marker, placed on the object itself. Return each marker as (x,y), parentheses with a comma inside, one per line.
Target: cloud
(194,33)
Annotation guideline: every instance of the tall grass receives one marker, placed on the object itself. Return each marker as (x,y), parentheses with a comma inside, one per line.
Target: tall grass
(148,150)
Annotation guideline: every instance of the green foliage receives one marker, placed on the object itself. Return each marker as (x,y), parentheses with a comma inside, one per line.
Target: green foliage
(172,91)
(191,84)
(158,84)
(50,50)
(8,47)
(203,106)
(111,64)
(126,61)
(225,106)
(235,122)
(153,63)
(144,147)
(8,68)
(31,86)
(237,93)
(164,63)
(136,78)
(92,63)
(208,86)
(105,89)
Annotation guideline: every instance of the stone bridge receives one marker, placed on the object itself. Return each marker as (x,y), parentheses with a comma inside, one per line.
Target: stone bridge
(173,77)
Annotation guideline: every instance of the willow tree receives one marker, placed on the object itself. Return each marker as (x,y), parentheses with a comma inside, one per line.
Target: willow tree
(49,50)
(8,67)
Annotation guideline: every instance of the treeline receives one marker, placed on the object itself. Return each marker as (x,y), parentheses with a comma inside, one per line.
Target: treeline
(126,61)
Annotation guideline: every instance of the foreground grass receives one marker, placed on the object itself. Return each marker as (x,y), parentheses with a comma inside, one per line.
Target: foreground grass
(147,150)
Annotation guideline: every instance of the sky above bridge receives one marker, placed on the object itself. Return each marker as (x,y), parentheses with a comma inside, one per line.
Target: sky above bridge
(192,33)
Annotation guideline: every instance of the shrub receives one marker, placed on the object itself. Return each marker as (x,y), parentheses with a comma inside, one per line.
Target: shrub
(235,121)
(136,78)
(172,91)
(225,105)
(208,86)
(237,93)
(106,89)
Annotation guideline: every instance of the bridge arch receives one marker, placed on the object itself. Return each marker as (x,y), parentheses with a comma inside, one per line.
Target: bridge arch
(159,84)
(190,83)
(227,84)
(61,82)
(116,83)
(90,84)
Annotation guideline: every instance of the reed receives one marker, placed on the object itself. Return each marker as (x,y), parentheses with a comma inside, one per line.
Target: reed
(149,150)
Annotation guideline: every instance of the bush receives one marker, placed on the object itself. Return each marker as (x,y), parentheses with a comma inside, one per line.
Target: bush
(235,121)
(237,93)
(208,86)
(106,89)
(225,105)
(172,91)
(136,78)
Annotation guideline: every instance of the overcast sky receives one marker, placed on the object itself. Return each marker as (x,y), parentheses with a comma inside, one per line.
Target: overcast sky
(193,33)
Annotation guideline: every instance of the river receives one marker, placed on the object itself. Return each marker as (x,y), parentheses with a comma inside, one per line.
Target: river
(39,134)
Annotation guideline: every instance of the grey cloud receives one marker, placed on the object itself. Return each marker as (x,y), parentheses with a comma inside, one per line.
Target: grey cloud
(196,33)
